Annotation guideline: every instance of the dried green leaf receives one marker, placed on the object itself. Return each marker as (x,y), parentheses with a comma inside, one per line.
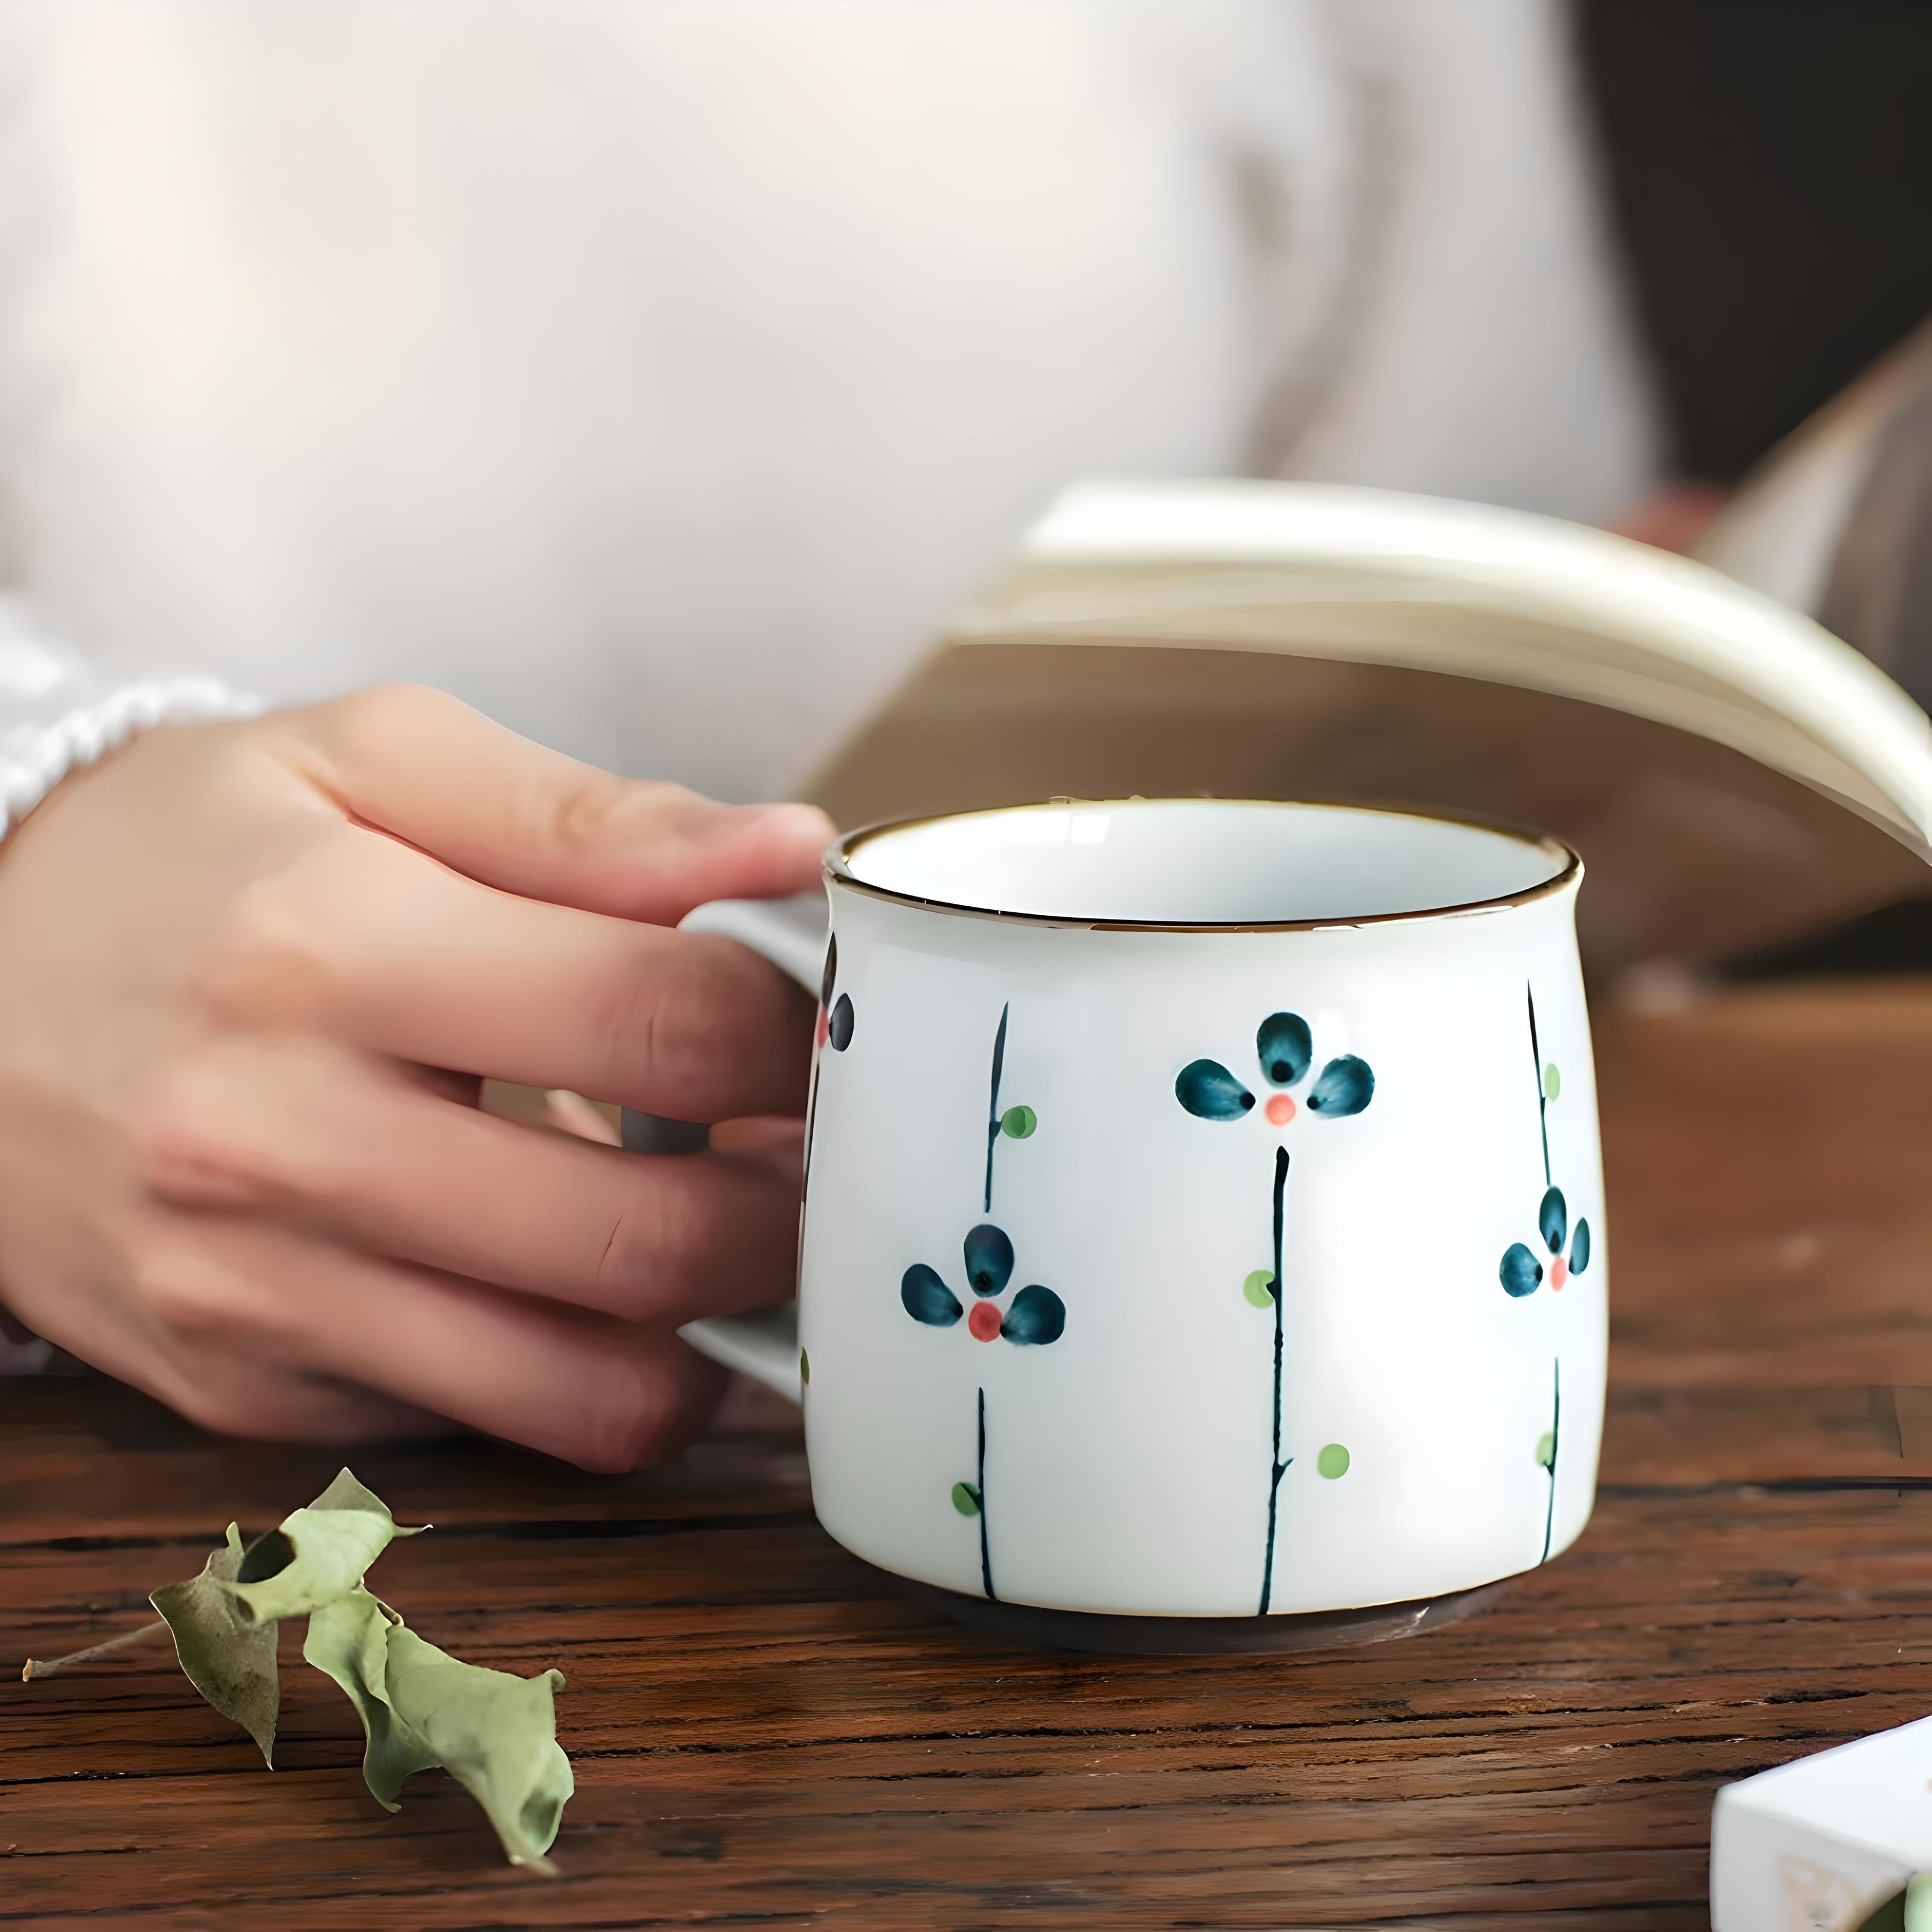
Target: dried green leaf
(495,1733)
(349,1640)
(1907,1911)
(229,1658)
(319,1555)
(1918,1904)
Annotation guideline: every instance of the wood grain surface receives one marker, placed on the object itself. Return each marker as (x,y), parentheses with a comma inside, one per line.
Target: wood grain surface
(767,1734)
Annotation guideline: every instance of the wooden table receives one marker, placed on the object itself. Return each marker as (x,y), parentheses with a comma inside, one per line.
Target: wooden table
(765,1734)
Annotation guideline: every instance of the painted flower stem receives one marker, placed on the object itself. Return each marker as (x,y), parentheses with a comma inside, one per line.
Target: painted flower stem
(985,1547)
(1556,1366)
(993,1106)
(810,1133)
(1555,1448)
(1277,1465)
(1542,1097)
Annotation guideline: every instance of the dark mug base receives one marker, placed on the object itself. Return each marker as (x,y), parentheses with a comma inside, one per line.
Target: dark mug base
(1021,1624)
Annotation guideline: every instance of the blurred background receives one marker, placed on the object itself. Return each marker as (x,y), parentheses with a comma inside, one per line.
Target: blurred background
(655,374)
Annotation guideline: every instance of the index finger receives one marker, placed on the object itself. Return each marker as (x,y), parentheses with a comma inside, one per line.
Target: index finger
(510,813)
(368,941)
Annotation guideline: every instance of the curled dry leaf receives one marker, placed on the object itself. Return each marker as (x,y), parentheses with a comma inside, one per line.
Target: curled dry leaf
(349,1641)
(494,1732)
(319,1555)
(495,1735)
(229,1658)
(1907,1911)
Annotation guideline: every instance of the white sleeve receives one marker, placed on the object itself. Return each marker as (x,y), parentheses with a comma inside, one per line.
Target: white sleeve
(58,713)
(1476,341)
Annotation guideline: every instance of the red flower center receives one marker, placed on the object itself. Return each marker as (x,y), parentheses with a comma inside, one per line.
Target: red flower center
(1559,1271)
(1280,1110)
(984,1321)
(824,1026)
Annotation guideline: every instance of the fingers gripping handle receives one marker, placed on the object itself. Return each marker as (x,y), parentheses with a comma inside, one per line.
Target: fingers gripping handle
(790,933)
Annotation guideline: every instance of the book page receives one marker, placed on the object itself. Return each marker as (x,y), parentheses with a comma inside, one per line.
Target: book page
(1733,776)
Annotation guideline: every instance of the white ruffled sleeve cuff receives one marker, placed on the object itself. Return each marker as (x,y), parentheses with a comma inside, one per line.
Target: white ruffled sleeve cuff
(59,714)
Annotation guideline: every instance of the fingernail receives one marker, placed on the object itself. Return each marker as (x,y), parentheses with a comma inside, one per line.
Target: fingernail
(804,824)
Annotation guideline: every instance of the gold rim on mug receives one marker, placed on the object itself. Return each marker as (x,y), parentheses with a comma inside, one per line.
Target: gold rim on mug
(838,870)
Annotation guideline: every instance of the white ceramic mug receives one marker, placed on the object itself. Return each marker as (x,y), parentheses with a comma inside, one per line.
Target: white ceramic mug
(1203,1210)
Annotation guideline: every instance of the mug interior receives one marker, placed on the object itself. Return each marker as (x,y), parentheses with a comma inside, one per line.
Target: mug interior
(1200,862)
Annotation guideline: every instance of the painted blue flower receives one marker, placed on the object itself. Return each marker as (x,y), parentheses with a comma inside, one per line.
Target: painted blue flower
(1035,1316)
(1286,1048)
(835,1018)
(1521,1273)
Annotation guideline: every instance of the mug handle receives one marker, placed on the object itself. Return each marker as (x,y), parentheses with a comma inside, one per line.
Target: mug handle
(790,933)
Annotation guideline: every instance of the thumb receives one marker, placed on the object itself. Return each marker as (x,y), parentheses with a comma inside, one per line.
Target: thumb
(424,767)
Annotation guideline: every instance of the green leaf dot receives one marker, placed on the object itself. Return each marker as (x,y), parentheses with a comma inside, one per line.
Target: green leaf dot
(1552,1081)
(965,1499)
(1546,1449)
(804,1368)
(1017,1123)
(1259,1286)
(1918,1902)
(1332,1461)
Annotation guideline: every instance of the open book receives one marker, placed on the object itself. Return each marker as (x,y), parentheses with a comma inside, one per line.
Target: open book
(1732,774)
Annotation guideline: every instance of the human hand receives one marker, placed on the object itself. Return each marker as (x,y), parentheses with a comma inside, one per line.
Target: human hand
(253,975)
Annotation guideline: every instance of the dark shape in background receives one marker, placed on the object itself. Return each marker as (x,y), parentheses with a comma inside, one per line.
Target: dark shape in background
(1769,166)
(1894,940)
